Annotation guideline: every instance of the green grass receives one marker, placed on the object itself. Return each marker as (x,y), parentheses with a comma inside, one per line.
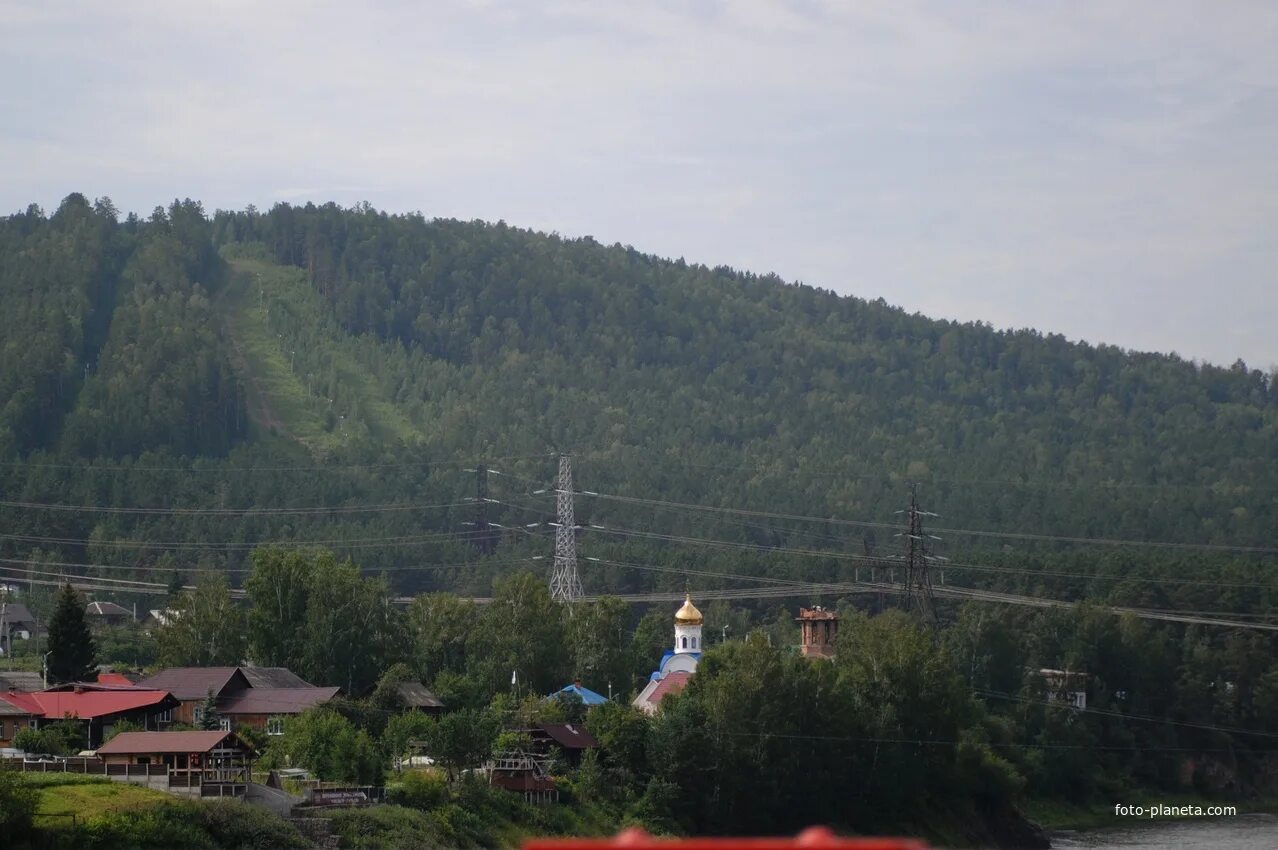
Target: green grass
(116,815)
(292,353)
(90,801)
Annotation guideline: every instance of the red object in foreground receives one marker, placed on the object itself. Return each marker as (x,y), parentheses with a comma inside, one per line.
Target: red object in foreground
(816,837)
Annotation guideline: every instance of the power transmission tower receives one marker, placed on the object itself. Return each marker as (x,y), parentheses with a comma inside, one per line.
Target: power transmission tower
(485,536)
(565,582)
(918,557)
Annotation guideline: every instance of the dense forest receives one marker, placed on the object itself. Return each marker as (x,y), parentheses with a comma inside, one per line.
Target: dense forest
(196,385)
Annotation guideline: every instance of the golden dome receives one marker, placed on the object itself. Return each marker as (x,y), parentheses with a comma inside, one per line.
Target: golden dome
(688,615)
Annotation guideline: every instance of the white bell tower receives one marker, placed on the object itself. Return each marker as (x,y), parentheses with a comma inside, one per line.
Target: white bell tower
(688,623)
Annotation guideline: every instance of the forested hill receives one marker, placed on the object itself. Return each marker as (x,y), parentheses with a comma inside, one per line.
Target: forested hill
(328,356)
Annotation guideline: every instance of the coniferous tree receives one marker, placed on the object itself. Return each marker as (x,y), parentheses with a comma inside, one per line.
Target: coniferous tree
(210,720)
(72,652)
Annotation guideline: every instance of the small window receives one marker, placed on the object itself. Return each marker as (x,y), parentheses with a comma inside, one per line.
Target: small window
(165,716)
(685,643)
(275,725)
(694,643)
(224,724)
(198,715)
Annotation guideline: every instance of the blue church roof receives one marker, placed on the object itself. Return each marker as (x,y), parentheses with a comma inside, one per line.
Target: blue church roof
(670,653)
(588,697)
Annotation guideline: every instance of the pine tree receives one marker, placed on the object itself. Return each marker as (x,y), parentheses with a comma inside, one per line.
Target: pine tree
(72,653)
(211,720)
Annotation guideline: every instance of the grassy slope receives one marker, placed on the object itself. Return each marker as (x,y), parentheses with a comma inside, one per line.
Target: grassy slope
(114,815)
(91,800)
(284,395)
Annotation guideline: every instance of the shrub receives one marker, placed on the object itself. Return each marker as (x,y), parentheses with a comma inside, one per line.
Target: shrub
(420,789)
(233,824)
(386,828)
(18,802)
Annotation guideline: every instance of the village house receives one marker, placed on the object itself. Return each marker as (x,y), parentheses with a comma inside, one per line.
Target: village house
(415,696)
(98,707)
(106,615)
(16,623)
(20,681)
(259,697)
(192,686)
(678,665)
(268,708)
(12,718)
(218,763)
(570,740)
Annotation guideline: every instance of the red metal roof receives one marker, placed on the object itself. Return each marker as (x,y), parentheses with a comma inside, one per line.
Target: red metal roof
(165,742)
(10,707)
(276,700)
(55,705)
(115,679)
(673,683)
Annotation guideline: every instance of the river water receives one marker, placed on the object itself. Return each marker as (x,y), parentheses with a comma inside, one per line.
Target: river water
(1244,832)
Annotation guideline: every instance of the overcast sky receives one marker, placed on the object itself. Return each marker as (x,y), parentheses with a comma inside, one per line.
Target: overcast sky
(1108,171)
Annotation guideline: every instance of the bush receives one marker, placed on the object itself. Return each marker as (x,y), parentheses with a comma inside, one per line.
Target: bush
(214,825)
(18,802)
(123,726)
(420,789)
(59,739)
(328,745)
(386,828)
(233,824)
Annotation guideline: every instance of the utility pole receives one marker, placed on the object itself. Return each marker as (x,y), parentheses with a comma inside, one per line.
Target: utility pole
(918,557)
(565,582)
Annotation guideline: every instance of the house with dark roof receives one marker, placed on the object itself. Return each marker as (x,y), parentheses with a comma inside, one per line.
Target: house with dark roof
(273,677)
(571,740)
(418,697)
(21,681)
(218,763)
(192,685)
(99,707)
(260,697)
(268,708)
(99,614)
(12,718)
(16,623)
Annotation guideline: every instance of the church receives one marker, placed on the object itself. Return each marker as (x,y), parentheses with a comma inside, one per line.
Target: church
(678,664)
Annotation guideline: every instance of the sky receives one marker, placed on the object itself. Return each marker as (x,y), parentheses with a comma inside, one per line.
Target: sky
(1107,170)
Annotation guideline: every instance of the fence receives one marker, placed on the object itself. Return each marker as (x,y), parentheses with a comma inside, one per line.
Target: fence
(177,778)
(61,765)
